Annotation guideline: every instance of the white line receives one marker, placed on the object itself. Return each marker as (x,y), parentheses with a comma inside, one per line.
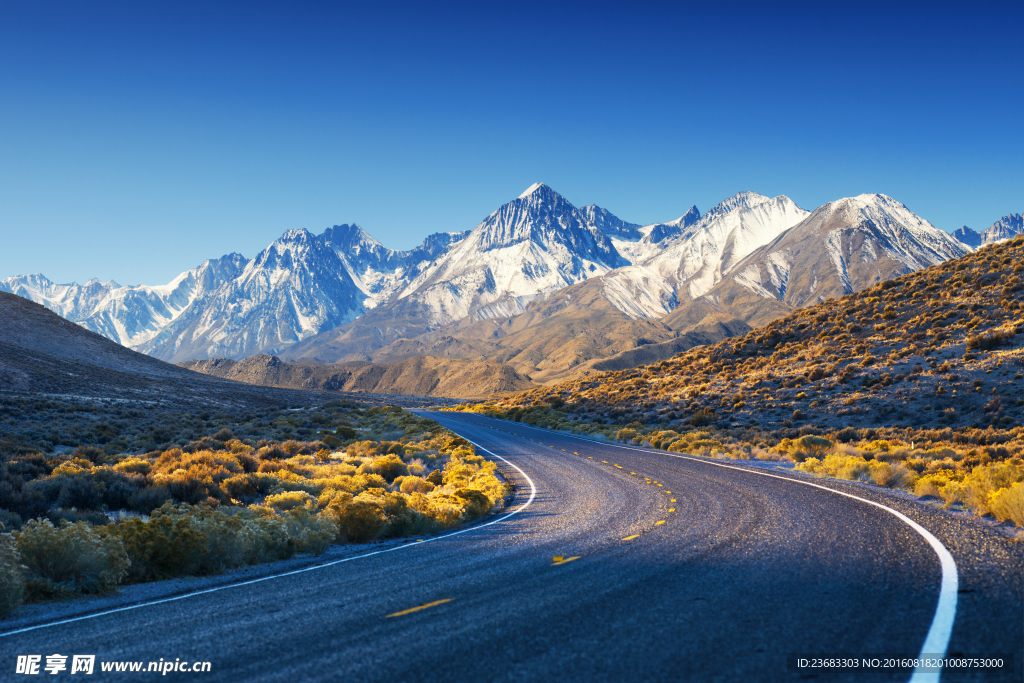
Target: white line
(533,493)
(937,640)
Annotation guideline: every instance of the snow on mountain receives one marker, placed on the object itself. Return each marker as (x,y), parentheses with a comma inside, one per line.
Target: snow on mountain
(695,252)
(304,285)
(129,315)
(379,272)
(965,235)
(845,246)
(1003,229)
(535,244)
(291,290)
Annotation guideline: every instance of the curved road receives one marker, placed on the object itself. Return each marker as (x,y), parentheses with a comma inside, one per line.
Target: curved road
(684,571)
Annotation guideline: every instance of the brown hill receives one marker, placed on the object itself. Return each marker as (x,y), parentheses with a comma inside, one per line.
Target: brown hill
(420,376)
(565,334)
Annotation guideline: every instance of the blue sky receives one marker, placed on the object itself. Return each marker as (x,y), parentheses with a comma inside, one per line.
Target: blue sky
(139,139)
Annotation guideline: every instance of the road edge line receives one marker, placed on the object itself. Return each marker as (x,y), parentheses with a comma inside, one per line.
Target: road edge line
(936,642)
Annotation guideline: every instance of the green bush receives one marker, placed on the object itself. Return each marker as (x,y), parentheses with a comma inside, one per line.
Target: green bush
(12,580)
(70,559)
(162,548)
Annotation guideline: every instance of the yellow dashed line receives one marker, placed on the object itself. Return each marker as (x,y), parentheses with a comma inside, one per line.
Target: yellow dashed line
(630,538)
(661,522)
(417,609)
(673,501)
(671,509)
(558,559)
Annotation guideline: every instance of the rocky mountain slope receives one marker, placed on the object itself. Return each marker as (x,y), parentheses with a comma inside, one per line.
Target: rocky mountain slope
(419,376)
(843,247)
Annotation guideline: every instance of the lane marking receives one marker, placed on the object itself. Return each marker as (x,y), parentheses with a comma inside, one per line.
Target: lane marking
(417,609)
(150,603)
(564,560)
(937,641)
(630,538)
(661,522)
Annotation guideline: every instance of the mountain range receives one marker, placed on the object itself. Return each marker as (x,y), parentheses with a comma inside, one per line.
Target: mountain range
(540,285)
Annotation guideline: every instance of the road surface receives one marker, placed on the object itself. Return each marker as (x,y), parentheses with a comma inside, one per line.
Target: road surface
(671,569)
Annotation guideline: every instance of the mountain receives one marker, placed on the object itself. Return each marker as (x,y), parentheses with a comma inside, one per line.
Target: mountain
(419,376)
(936,350)
(129,315)
(536,244)
(843,247)
(296,287)
(1003,229)
(697,253)
(965,235)
(540,284)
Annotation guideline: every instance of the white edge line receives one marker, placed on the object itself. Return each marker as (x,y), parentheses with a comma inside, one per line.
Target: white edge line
(533,494)
(937,640)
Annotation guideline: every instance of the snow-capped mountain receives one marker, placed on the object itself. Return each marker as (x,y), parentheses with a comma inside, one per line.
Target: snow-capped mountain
(130,316)
(697,252)
(346,292)
(535,244)
(298,286)
(842,247)
(965,235)
(1003,229)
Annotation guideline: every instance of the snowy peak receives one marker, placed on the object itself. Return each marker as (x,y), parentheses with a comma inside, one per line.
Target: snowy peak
(533,188)
(661,232)
(610,224)
(1003,229)
(965,235)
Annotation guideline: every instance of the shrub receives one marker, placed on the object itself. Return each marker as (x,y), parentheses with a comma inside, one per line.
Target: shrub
(12,581)
(388,466)
(162,548)
(144,501)
(357,521)
(891,474)
(70,559)
(1008,503)
(289,500)
(810,447)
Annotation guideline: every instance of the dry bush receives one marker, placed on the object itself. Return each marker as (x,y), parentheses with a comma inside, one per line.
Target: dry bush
(70,559)
(1008,503)
(289,500)
(12,580)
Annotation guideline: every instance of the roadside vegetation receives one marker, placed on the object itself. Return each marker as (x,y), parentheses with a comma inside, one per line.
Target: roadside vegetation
(85,520)
(915,384)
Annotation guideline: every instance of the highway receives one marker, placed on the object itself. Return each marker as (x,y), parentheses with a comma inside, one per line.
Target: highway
(612,564)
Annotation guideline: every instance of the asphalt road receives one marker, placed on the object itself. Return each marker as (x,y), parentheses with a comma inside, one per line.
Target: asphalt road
(684,571)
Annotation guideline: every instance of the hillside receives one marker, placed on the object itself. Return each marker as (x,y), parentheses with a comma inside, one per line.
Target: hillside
(420,376)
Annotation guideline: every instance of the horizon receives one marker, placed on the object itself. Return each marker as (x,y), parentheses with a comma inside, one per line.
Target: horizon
(149,139)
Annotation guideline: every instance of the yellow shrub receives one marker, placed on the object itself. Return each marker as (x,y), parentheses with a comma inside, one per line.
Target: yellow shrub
(289,500)
(1008,504)
(134,466)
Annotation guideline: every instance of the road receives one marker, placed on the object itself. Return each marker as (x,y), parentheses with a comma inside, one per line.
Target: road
(683,570)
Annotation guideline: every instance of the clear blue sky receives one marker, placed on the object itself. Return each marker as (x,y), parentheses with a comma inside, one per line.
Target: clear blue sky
(138,139)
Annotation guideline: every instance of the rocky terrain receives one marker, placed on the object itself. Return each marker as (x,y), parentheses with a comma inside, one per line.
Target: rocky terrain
(417,376)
